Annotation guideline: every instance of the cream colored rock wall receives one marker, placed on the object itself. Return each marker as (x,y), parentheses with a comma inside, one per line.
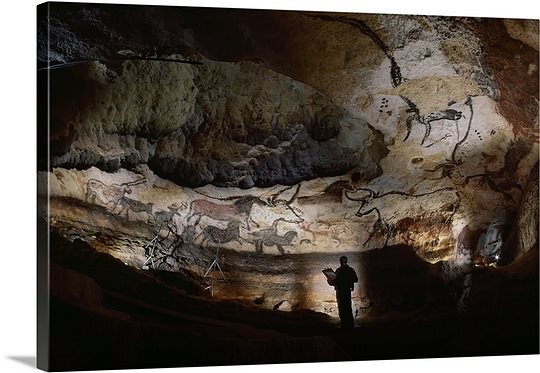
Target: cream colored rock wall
(431,98)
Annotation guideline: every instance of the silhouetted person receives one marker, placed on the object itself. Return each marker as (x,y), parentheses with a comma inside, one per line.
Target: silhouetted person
(344,284)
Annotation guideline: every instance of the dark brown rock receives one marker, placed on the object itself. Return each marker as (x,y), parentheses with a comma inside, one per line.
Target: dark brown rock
(524,234)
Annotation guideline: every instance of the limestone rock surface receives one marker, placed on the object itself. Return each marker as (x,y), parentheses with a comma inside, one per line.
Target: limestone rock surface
(229,124)
(299,138)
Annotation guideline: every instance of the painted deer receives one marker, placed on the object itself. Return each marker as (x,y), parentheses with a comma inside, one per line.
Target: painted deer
(162,218)
(323,228)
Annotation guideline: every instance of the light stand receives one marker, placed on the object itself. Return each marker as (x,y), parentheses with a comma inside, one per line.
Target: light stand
(212,268)
(152,246)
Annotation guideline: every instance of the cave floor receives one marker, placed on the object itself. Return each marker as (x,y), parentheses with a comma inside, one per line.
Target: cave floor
(105,315)
(131,335)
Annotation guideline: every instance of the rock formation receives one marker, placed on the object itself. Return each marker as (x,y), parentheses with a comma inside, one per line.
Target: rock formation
(229,124)
(287,139)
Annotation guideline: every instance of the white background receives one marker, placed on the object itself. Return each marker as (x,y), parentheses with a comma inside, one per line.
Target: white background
(18,193)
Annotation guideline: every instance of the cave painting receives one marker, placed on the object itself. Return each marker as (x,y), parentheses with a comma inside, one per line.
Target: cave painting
(213,235)
(128,205)
(451,167)
(163,218)
(495,180)
(395,71)
(426,120)
(115,199)
(235,211)
(239,214)
(220,236)
(241,208)
(169,257)
(324,229)
(108,195)
(457,136)
(374,202)
(236,214)
(269,237)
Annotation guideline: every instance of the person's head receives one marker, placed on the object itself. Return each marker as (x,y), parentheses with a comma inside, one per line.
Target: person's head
(343,260)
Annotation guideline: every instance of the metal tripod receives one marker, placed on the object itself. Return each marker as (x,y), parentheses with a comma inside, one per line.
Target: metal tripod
(212,268)
(152,246)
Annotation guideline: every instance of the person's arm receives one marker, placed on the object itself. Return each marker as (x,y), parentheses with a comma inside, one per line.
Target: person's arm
(355,277)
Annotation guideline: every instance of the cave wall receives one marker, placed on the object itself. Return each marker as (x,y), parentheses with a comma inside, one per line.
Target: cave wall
(289,135)
(229,124)
(524,235)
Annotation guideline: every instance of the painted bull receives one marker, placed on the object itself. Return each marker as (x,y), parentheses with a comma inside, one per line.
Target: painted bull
(402,204)
(108,195)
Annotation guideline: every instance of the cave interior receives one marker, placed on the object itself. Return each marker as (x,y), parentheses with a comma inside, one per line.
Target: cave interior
(198,168)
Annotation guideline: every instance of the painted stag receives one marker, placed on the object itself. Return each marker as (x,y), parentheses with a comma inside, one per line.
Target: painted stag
(163,218)
(285,205)
(323,228)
